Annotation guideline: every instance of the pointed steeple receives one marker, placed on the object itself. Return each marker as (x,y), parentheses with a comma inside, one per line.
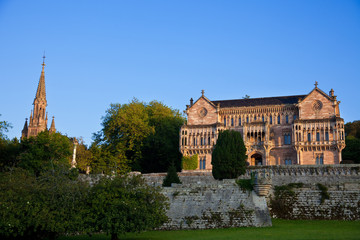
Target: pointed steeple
(41,92)
(24,132)
(52,127)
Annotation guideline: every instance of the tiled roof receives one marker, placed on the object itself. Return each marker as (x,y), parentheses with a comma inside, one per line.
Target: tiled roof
(250,102)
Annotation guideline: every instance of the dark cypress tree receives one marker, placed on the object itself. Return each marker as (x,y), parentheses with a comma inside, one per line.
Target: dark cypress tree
(171,176)
(229,156)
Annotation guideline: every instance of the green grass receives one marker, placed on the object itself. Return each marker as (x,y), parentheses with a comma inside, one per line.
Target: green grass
(281,229)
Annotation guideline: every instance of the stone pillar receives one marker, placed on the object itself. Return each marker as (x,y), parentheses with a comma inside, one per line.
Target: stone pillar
(263,182)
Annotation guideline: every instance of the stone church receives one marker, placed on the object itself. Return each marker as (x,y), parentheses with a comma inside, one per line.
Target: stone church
(301,129)
(38,117)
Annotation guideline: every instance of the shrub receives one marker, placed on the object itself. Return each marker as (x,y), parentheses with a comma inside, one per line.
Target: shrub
(190,162)
(171,177)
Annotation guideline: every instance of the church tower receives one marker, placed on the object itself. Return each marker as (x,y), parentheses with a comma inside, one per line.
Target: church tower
(38,117)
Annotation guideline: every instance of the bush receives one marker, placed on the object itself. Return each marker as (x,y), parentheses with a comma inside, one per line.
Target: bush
(41,207)
(229,156)
(126,204)
(171,177)
(190,162)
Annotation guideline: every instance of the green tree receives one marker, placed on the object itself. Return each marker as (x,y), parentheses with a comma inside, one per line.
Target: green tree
(161,148)
(9,151)
(143,136)
(126,204)
(352,149)
(4,127)
(45,151)
(229,156)
(83,156)
(353,129)
(171,177)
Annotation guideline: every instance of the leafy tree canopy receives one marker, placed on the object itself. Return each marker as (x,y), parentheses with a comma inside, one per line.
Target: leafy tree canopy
(353,129)
(229,156)
(4,127)
(139,135)
(171,177)
(45,151)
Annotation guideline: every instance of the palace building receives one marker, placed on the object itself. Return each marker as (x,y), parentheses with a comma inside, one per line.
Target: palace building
(38,117)
(302,129)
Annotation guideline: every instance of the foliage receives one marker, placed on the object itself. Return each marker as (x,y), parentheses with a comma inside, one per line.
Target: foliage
(229,155)
(353,129)
(281,230)
(190,162)
(83,156)
(161,148)
(4,127)
(126,204)
(142,136)
(280,191)
(9,151)
(45,151)
(324,192)
(171,177)
(246,184)
(352,149)
(41,207)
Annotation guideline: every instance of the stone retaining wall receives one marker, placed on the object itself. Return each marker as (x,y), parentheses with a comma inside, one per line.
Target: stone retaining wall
(219,204)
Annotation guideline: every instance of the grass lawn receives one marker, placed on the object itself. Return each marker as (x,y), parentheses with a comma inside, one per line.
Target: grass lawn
(281,229)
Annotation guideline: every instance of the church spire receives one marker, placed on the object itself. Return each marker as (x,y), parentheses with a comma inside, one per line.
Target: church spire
(41,92)
(52,127)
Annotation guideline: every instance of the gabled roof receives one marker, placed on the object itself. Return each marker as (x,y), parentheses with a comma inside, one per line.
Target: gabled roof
(251,102)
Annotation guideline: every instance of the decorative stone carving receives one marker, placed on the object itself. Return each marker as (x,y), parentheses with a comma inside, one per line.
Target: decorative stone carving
(263,182)
(202,112)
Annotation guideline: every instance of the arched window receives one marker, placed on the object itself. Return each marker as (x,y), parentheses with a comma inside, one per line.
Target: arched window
(309,137)
(263,119)
(270,119)
(278,119)
(201,141)
(326,136)
(185,141)
(208,141)
(318,136)
(287,119)
(254,118)
(247,119)
(224,121)
(239,121)
(232,122)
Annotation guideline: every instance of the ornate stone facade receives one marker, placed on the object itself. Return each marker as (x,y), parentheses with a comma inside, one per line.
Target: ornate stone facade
(38,117)
(302,129)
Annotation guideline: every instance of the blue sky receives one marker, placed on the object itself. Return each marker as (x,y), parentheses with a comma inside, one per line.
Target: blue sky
(102,52)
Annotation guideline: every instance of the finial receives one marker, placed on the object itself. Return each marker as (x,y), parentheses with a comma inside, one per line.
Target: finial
(43,64)
(316,84)
(202,92)
(26,119)
(331,93)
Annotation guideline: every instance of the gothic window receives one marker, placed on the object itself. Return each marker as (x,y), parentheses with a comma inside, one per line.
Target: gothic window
(254,118)
(247,119)
(263,119)
(202,141)
(185,141)
(182,141)
(270,119)
(295,117)
(208,140)
(278,119)
(288,162)
(318,136)
(194,142)
(202,162)
(309,137)
(232,122)
(224,121)
(326,136)
(287,139)
(287,119)
(320,159)
(185,132)
(239,121)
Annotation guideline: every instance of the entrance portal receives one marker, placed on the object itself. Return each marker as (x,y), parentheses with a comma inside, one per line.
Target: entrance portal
(256,159)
